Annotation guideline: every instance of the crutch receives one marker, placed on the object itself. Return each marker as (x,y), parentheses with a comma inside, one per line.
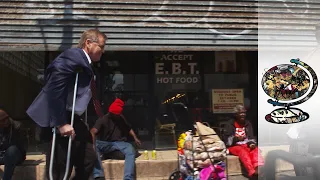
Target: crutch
(70,137)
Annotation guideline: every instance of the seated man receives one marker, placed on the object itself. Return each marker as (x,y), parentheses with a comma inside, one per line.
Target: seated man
(296,160)
(112,131)
(304,153)
(239,139)
(12,149)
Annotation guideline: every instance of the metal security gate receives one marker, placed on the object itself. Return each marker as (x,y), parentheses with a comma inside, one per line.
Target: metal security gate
(50,25)
(156,25)
(288,24)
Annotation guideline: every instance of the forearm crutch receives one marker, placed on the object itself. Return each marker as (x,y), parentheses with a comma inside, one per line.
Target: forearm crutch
(70,137)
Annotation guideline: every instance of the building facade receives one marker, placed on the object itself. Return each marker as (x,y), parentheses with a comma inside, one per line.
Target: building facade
(158,53)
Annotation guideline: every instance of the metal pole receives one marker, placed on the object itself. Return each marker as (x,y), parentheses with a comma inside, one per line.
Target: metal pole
(72,121)
(53,144)
(86,117)
(70,137)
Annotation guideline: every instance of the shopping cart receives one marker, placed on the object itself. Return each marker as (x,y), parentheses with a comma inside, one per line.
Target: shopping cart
(190,167)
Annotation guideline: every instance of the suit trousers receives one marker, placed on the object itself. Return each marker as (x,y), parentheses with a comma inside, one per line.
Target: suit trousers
(83,156)
(305,161)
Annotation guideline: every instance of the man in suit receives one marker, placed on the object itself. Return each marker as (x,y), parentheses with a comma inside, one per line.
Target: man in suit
(52,107)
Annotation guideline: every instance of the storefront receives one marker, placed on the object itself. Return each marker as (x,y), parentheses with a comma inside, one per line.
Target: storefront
(157,53)
(159,88)
(176,87)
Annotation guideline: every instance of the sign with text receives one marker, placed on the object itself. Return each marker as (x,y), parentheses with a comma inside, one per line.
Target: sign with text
(177,68)
(224,100)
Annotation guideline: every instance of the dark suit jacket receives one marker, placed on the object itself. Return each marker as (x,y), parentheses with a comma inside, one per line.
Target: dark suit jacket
(49,107)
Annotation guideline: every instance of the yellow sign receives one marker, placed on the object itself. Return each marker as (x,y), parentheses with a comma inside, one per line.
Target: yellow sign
(224,100)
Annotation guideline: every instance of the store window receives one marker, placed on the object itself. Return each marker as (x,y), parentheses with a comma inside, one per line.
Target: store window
(126,75)
(177,80)
(20,78)
(164,92)
(184,84)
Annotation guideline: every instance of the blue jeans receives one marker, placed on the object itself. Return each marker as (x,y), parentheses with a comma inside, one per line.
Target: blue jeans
(12,157)
(125,148)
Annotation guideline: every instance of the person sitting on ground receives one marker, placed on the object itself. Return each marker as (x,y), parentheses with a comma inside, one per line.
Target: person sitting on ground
(304,153)
(112,131)
(239,139)
(12,144)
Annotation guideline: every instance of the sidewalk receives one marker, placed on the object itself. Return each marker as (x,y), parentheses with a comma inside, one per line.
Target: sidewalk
(34,167)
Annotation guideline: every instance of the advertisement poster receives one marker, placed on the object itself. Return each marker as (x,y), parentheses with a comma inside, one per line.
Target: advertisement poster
(177,70)
(224,100)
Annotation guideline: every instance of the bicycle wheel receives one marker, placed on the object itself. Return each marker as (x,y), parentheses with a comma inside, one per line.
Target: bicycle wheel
(175,175)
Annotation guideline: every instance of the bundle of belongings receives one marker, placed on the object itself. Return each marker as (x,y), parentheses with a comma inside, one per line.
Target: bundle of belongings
(201,156)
